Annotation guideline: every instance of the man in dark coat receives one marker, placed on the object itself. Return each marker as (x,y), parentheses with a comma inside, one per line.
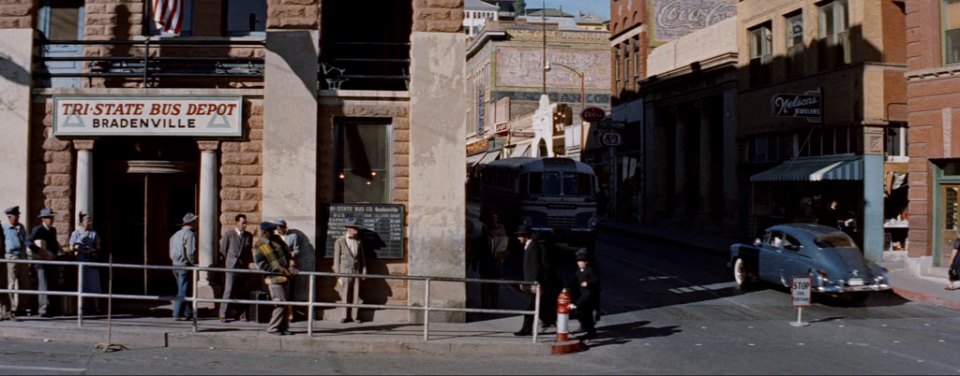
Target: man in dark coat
(586,303)
(536,267)
(235,248)
(45,246)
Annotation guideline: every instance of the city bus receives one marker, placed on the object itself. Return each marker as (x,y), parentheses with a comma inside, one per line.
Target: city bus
(553,196)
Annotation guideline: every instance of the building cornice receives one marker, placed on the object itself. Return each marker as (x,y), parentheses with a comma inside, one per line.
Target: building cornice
(951,71)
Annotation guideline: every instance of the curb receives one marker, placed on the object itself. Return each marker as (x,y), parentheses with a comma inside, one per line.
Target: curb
(261,341)
(926,298)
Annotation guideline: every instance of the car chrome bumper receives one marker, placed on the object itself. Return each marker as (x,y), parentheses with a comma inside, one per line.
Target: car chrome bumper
(843,289)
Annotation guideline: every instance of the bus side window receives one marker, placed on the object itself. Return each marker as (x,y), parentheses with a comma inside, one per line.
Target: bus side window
(536,183)
(523,184)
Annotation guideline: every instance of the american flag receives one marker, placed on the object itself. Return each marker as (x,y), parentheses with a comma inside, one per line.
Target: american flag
(168,15)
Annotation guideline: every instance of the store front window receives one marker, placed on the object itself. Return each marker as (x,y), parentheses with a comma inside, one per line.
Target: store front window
(362,161)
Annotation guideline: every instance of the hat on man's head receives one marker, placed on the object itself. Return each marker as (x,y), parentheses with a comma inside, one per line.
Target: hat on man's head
(189,218)
(12,211)
(267,226)
(46,212)
(523,230)
(352,223)
(280,222)
(582,255)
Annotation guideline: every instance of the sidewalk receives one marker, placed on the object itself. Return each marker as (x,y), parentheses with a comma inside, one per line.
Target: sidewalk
(927,287)
(492,338)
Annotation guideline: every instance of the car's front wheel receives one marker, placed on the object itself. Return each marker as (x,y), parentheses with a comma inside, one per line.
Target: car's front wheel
(741,276)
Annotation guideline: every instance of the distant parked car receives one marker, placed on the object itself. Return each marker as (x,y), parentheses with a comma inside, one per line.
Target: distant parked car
(827,255)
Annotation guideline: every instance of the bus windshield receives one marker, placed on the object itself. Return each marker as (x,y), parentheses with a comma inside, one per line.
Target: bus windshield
(555,183)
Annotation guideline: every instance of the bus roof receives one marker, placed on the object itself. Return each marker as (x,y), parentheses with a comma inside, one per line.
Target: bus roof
(529,164)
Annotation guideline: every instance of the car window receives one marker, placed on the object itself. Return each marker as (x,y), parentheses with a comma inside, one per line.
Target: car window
(835,240)
(791,242)
(776,239)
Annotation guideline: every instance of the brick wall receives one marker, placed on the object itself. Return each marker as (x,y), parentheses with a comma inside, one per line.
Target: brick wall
(51,173)
(923,34)
(634,11)
(444,16)
(241,170)
(17,14)
(293,14)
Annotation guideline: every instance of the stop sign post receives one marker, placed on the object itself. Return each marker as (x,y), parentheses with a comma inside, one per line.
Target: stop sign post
(800,295)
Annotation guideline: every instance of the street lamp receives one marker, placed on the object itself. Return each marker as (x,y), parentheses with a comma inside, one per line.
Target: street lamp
(583,98)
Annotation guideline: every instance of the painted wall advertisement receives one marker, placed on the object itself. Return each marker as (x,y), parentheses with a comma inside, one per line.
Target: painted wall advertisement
(672,19)
(147,116)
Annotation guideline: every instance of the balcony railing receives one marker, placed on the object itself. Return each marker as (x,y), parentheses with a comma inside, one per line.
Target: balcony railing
(151,62)
(366,66)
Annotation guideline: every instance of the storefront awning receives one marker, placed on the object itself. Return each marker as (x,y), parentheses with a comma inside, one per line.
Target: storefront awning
(520,151)
(490,157)
(473,159)
(836,168)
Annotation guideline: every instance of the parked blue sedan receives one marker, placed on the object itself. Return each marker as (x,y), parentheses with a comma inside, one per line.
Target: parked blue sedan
(827,255)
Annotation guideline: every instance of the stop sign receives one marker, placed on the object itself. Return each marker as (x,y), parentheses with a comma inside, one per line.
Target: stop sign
(592,114)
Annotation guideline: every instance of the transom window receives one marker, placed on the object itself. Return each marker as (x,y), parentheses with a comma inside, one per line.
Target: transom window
(951,31)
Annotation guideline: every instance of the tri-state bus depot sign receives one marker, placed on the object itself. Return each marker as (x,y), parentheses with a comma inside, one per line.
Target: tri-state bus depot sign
(147,116)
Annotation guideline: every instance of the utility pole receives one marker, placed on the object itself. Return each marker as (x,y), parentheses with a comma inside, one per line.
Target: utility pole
(543,64)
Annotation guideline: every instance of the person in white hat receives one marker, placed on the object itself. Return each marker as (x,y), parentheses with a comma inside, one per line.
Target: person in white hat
(348,258)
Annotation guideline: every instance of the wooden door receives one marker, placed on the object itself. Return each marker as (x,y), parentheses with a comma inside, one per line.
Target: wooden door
(950,223)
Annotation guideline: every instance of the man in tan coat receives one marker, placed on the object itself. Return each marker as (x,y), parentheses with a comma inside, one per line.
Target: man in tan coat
(348,258)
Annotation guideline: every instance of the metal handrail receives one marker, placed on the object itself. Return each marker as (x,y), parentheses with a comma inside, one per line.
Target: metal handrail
(310,303)
(143,65)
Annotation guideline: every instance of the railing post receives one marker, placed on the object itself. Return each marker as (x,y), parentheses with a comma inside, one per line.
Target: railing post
(80,295)
(196,273)
(146,60)
(536,312)
(426,310)
(310,300)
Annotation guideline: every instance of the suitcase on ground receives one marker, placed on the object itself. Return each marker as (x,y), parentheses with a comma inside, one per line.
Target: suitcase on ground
(260,312)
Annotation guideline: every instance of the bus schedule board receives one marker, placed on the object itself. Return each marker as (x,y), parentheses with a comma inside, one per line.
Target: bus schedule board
(382,227)
(800,291)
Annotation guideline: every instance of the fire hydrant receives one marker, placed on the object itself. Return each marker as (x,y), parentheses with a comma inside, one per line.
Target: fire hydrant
(563,315)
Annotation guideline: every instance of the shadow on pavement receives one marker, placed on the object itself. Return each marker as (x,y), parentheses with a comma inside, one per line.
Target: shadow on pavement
(623,333)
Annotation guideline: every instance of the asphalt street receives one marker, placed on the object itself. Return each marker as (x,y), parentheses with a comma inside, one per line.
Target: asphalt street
(668,310)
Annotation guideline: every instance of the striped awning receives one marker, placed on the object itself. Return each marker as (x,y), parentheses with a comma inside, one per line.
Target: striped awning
(490,157)
(832,168)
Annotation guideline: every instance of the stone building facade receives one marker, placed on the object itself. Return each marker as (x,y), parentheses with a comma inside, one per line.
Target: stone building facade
(832,74)
(295,70)
(933,94)
(506,80)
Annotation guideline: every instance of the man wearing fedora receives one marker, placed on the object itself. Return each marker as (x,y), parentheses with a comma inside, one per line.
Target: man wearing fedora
(588,300)
(15,248)
(349,258)
(43,245)
(183,252)
(294,244)
(536,267)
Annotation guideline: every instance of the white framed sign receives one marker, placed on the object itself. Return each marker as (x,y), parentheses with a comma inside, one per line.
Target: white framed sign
(800,292)
(86,116)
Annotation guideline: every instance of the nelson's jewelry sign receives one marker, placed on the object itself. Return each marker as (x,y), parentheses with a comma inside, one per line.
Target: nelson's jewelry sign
(147,116)
(807,106)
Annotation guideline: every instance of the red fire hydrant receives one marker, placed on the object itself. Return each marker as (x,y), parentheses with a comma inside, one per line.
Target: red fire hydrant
(563,315)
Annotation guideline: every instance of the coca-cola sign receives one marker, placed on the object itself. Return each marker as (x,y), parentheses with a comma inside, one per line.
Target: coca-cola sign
(675,18)
(809,105)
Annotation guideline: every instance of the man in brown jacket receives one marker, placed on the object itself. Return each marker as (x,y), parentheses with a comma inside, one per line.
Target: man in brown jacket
(348,258)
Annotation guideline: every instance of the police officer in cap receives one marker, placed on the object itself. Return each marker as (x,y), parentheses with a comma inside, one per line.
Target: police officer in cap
(15,276)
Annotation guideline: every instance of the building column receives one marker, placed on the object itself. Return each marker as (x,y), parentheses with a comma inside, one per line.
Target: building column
(15,114)
(706,161)
(680,165)
(84,192)
(207,231)
(436,203)
(873,175)
(731,210)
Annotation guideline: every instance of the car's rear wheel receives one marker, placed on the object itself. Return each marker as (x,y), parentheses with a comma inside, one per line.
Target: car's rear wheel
(740,275)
